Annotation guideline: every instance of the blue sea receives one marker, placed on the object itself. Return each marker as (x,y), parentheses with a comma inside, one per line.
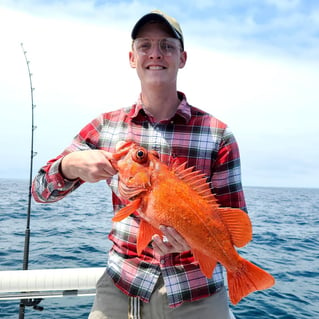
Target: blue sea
(73,233)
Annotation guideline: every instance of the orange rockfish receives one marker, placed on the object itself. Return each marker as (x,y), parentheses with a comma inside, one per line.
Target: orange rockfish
(181,198)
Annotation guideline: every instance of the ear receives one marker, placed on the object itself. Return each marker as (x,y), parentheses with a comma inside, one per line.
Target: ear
(132,59)
(183,59)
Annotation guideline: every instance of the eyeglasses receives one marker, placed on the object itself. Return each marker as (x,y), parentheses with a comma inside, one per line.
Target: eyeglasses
(166,46)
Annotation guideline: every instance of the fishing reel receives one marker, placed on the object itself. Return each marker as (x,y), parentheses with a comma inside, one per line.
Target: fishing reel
(32,303)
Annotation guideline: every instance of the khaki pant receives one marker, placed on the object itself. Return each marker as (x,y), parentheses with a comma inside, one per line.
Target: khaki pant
(111,303)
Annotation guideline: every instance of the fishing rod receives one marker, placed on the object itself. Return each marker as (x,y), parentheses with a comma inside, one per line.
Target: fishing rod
(29,302)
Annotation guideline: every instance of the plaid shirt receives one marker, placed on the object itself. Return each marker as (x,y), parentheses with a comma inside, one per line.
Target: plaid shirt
(190,135)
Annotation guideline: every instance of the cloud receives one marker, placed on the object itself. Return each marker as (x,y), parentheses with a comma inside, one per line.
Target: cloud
(284,4)
(251,71)
(268,27)
(271,106)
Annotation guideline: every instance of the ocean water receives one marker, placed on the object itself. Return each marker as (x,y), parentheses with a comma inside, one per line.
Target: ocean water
(73,233)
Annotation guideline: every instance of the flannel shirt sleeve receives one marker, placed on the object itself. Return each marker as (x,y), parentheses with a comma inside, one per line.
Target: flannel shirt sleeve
(226,178)
(49,185)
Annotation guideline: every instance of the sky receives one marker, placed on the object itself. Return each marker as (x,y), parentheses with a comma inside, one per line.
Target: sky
(254,64)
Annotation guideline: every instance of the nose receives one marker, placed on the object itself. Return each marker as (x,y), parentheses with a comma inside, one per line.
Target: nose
(155,51)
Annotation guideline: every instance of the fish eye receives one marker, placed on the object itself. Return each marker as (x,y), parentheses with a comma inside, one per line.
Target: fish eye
(140,155)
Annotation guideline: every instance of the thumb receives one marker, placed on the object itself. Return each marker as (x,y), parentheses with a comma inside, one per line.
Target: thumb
(108,155)
(110,160)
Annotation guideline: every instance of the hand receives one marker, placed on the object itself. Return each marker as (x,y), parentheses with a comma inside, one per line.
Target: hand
(175,243)
(91,166)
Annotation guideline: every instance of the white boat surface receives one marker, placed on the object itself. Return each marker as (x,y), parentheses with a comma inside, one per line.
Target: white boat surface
(46,283)
(50,283)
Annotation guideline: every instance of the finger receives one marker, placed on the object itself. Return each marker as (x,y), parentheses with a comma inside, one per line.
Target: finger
(157,245)
(171,234)
(119,144)
(160,247)
(108,155)
(109,168)
(175,238)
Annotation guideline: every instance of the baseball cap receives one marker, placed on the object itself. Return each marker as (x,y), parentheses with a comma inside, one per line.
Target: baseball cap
(157,15)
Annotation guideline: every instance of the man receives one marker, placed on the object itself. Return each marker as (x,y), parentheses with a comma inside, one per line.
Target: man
(163,282)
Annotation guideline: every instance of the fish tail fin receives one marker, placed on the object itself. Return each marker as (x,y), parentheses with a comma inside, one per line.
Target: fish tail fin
(250,278)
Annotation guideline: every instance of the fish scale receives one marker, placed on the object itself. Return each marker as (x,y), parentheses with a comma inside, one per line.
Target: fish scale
(181,198)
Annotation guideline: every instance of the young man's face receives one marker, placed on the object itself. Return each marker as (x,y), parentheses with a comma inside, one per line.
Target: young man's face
(156,62)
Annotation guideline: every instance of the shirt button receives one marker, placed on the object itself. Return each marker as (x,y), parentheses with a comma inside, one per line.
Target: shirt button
(59,185)
(162,261)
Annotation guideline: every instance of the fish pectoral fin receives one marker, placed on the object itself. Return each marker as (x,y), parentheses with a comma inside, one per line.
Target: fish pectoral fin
(207,264)
(127,210)
(145,235)
(238,224)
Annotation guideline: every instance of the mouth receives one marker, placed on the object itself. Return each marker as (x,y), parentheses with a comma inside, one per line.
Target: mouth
(156,67)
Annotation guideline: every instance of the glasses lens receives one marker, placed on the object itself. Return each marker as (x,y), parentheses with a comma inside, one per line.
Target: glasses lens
(167,46)
(143,46)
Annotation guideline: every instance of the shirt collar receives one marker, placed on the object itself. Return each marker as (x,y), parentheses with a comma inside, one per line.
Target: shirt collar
(183,109)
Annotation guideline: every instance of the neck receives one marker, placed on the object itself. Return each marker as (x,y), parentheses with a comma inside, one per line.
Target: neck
(161,105)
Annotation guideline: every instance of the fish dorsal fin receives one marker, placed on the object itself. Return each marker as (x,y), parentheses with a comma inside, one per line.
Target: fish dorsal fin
(127,210)
(195,179)
(238,224)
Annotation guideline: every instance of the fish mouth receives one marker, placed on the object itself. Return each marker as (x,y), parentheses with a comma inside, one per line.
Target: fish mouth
(130,193)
